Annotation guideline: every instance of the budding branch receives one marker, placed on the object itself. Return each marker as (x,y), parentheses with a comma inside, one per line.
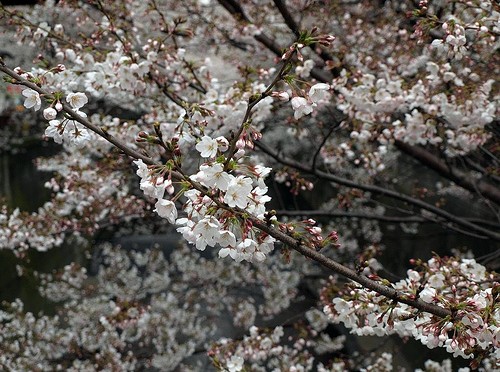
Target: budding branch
(282,237)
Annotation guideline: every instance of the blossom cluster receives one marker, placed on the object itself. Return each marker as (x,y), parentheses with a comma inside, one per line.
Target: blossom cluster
(206,224)
(464,286)
(138,60)
(67,130)
(136,300)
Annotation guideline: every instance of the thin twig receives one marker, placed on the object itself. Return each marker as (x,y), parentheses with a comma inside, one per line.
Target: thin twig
(378,190)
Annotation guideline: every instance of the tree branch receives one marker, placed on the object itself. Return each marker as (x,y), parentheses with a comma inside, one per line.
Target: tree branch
(485,189)
(235,9)
(372,216)
(349,273)
(378,190)
(294,27)
(280,236)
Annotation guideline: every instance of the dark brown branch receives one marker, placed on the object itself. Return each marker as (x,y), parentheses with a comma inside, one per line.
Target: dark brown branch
(235,9)
(485,189)
(325,138)
(372,216)
(287,17)
(94,128)
(378,190)
(294,27)
(477,167)
(349,273)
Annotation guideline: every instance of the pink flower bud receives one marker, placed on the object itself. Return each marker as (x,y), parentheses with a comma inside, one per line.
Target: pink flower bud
(240,144)
(49,113)
(282,96)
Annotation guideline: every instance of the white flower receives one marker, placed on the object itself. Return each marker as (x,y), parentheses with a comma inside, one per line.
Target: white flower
(283,96)
(214,175)
(166,209)
(58,28)
(142,170)
(75,133)
(211,96)
(258,256)
(238,191)
(235,364)
(222,143)
(49,113)
(79,136)
(54,130)
(246,250)
(428,295)
(227,239)
(208,230)
(42,31)
(152,190)
(305,70)
(207,147)
(301,107)
(229,251)
(77,100)
(32,99)
(318,92)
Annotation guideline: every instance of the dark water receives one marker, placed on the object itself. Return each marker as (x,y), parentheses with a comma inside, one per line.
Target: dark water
(20,183)
(22,186)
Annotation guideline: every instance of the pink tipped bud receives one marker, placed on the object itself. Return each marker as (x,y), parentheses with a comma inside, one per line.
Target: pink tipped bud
(240,144)
(282,96)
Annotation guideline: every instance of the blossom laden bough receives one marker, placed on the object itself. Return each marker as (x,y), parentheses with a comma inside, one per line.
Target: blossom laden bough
(195,135)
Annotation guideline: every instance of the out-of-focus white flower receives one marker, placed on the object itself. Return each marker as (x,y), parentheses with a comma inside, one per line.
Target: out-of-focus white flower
(235,364)
(318,92)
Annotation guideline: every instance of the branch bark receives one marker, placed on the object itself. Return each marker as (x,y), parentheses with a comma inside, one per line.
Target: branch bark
(371,216)
(294,27)
(485,189)
(378,190)
(235,9)
(351,274)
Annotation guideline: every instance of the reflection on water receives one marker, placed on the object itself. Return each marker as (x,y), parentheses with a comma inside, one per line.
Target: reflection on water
(20,182)
(22,186)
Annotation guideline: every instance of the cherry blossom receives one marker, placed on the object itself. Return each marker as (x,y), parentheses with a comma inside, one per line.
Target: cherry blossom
(318,92)
(301,107)
(32,100)
(166,209)
(207,147)
(205,130)
(238,191)
(77,100)
(49,113)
